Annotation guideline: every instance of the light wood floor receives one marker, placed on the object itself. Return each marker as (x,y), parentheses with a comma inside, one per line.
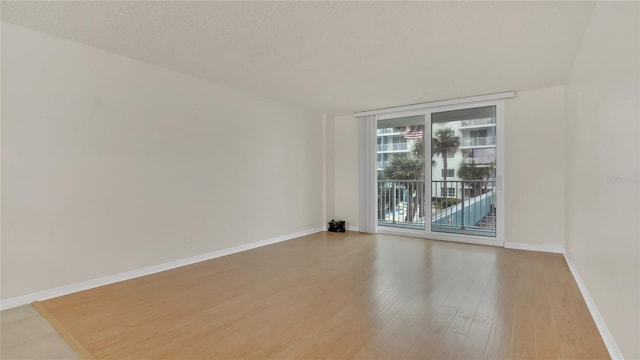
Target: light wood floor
(24,334)
(350,295)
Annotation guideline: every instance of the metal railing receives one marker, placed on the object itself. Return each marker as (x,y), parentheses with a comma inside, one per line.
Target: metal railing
(401,202)
(386,131)
(478,141)
(393,147)
(478,122)
(468,206)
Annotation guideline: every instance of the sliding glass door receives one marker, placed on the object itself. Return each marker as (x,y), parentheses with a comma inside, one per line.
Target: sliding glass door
(439,172)
(463,171)
(400,172)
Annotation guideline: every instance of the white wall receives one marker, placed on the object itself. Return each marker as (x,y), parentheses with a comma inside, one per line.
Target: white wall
(535,166)
(534,125)
(602,189)
(110,164)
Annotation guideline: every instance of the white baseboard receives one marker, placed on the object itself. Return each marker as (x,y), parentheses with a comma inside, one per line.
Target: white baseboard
(110,279)
(549,248)
(353,228)
(609,342)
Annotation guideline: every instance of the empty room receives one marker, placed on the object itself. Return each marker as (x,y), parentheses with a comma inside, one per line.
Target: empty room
(320,180)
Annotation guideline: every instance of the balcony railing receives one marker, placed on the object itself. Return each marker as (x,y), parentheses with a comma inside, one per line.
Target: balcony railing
(478,122)
(401,202)
(478,141)
(395,130)
(393,147)
(467,207)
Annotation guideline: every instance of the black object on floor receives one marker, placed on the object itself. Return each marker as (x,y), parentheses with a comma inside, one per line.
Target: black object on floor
(336,226)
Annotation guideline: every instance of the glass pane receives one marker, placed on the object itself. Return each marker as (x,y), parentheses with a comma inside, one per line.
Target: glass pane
(401,188)
(463,176)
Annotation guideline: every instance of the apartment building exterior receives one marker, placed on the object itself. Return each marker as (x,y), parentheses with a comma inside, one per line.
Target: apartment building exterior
(477,146)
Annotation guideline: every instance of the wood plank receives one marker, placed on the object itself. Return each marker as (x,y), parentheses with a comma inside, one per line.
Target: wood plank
(332,295)
(68,337)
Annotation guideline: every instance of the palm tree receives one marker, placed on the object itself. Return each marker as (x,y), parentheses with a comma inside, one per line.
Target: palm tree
(445,143)
(418,151)
(474,171)
(410,167)
(405,168)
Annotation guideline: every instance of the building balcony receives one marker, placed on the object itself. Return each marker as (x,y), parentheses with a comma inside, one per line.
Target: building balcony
(393,147)
(466,207)
(477,123)
(390,131)
(477,141)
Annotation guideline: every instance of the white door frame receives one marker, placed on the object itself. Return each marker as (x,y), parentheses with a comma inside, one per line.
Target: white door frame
(427,111)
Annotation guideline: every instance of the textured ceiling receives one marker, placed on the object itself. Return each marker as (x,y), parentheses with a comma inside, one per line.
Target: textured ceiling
(333,57)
